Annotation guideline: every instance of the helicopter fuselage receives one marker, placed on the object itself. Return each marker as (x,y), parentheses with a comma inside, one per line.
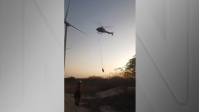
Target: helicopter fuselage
(102,30)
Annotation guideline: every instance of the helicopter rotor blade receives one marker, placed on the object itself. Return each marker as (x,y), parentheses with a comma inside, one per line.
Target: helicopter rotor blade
(67,11)
(109,27)
(78,30)
(99,23)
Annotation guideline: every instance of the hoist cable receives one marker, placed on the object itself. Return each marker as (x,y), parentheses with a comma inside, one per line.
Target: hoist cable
(100,51)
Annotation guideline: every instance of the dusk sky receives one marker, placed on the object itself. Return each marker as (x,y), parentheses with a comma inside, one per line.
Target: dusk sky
(84,57)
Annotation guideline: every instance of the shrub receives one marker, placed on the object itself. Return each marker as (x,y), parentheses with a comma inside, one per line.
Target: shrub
(70,78)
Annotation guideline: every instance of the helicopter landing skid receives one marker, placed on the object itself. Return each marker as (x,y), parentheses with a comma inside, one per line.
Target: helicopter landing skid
(99,33)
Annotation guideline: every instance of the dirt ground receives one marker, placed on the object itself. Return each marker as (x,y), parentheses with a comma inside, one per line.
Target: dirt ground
(70,105)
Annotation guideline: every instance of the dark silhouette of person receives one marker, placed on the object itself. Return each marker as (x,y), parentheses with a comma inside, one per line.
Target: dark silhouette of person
(102,69)
(77,95)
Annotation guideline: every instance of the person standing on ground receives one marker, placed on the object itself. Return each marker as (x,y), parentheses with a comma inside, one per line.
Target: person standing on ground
(77,95)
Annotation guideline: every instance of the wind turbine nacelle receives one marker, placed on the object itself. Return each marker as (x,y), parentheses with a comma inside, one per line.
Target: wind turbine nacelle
(67,24)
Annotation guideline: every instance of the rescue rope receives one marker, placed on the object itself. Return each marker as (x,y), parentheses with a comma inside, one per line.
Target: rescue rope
(100,51)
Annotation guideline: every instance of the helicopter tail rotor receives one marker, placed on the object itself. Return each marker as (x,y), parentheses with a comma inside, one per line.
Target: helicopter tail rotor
(112,33)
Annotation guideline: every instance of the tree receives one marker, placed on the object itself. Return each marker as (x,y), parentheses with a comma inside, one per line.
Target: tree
(130,68)
(128,71)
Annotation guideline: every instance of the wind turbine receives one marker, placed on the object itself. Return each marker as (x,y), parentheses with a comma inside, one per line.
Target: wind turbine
(68,48)
(67,24)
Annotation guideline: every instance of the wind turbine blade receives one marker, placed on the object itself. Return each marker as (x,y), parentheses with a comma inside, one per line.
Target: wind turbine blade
(65,40)
(67,11)
(68,48)
(79,30)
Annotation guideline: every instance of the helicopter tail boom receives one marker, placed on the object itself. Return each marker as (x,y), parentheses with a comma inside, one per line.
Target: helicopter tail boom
(110,33)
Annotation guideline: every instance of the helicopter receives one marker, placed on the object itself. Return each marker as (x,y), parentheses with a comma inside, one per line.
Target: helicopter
(102,30)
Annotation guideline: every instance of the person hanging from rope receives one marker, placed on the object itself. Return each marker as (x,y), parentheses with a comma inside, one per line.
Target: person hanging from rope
(77,94)
(102,69)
